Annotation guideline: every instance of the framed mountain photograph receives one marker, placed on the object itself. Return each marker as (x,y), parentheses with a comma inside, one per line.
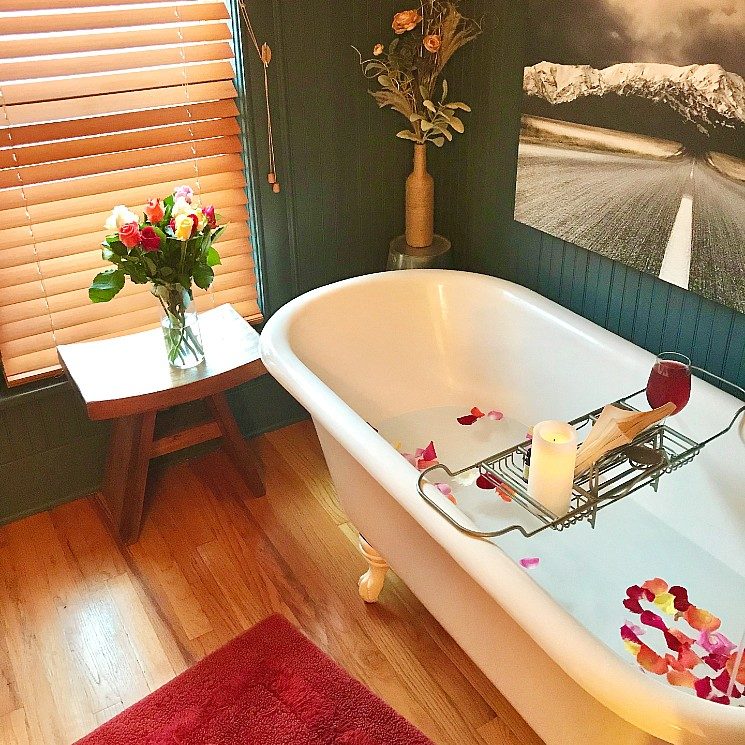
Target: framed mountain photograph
(633,136)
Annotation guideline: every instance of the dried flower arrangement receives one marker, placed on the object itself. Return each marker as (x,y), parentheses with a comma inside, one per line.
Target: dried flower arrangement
(409,69)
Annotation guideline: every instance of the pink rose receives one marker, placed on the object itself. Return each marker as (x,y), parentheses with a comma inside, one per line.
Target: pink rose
(209,213)
(154,210)
(184,191)
(150,239)
(130,235)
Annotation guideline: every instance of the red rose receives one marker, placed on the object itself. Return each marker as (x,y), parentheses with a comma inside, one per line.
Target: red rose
(154,210)
(130,235)
(209,213)
(150,239)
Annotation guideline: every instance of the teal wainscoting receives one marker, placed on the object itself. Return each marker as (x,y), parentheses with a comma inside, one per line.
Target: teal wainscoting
(639,307)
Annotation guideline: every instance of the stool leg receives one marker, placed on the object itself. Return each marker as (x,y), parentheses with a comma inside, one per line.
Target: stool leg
(123,491)
(371,582)
(235,445)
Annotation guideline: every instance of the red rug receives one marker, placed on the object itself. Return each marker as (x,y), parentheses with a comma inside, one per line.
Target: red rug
(269,686)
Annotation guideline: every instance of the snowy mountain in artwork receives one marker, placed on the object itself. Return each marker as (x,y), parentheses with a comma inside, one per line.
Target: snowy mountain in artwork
(706,95)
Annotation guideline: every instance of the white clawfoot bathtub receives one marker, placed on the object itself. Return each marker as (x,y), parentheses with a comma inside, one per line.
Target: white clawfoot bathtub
(368,350)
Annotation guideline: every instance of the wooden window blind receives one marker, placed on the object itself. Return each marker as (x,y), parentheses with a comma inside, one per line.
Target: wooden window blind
(105,103)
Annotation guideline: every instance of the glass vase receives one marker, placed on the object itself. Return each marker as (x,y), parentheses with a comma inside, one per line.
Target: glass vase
(180,327)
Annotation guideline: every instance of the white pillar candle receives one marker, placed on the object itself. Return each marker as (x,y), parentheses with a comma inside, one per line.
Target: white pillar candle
(552,459)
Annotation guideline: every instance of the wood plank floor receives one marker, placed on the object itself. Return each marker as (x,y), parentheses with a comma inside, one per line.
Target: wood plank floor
(88,628)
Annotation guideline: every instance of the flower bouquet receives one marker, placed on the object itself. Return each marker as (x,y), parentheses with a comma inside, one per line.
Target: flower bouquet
(171,247)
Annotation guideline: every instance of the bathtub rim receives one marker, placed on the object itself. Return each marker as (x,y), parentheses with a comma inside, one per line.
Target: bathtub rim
(631,694)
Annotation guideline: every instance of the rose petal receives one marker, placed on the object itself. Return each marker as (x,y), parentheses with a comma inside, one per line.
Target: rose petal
(632,647)
(504,496)
(423,465)
(452,498)
(665,602)
(629,633)
(429,452)
(495,415)
(722,681)
(702,687)
(656,585)
(720,700)
(445,489)
(716,643)
(468,478)
(652,619)
(484,482)
(685,640)
(715,661)
(467,420)
(688,658)
(701,619)
(684,679)
(530,562)
(740,677)
(680,594)
(651,661)
(475,411)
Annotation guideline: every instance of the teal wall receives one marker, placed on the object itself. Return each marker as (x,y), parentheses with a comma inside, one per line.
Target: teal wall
(342,176)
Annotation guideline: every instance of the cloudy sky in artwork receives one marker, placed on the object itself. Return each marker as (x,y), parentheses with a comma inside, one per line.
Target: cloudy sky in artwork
(604,32)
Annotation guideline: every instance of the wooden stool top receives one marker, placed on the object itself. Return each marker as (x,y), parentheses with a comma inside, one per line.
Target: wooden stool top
(130,374)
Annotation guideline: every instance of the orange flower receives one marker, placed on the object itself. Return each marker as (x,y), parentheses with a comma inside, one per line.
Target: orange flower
(405,21)
(432,43)
(378,50)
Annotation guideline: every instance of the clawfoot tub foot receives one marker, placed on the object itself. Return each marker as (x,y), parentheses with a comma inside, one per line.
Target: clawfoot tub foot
(371,582)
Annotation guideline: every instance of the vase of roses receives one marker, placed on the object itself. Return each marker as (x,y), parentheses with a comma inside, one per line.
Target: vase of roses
(409,72)
(171,248)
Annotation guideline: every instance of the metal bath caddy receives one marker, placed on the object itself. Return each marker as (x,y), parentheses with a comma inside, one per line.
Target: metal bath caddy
(620,472)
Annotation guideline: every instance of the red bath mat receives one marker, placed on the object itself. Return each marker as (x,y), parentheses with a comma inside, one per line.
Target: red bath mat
(270,686)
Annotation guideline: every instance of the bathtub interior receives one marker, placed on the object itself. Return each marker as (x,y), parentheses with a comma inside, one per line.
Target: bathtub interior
(405,353)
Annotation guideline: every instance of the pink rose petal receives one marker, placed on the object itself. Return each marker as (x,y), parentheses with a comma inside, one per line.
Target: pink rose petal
(444,489)
(530,562)
(495,415)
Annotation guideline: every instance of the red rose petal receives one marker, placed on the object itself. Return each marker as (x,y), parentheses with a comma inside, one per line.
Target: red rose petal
(628,634)
(652,619)
(703,687)
(467,420)
(740,677)
(475,411)
(680,594)
(715,661)
(429,452)
(720,700)
(484,482)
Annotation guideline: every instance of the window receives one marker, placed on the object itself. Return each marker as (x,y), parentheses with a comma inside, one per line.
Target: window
(105,103)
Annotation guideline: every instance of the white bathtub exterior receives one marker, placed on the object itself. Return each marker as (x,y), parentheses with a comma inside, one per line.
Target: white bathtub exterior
(376,346)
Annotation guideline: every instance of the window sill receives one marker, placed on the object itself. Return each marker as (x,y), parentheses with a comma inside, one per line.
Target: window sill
(25,394)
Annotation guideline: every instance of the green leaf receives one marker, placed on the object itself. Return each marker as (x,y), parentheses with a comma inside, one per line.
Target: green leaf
(429,105)
(106,285)
(109,255)
(151,267)
(425,125)
(392,46)
(407,134)
(168,201)
(166,272)
(457,124)
(385,81)
(457,105)
(444,90)
(415,117)
(213,258)
(439,141)
(203,276)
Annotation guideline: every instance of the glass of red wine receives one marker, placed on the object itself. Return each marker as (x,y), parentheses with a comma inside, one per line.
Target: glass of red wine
(670,381)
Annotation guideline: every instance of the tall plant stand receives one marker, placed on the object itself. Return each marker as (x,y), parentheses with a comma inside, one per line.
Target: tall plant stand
(128,380)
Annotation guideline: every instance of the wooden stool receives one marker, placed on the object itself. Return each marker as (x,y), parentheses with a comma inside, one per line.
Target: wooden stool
(128,379)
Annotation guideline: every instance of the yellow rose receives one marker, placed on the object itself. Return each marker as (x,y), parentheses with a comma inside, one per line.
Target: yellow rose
(183,226)
(406,20)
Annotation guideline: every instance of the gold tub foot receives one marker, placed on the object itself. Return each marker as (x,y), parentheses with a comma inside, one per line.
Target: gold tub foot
(371,582)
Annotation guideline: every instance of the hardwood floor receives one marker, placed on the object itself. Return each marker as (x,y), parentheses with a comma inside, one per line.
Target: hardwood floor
(88,628)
